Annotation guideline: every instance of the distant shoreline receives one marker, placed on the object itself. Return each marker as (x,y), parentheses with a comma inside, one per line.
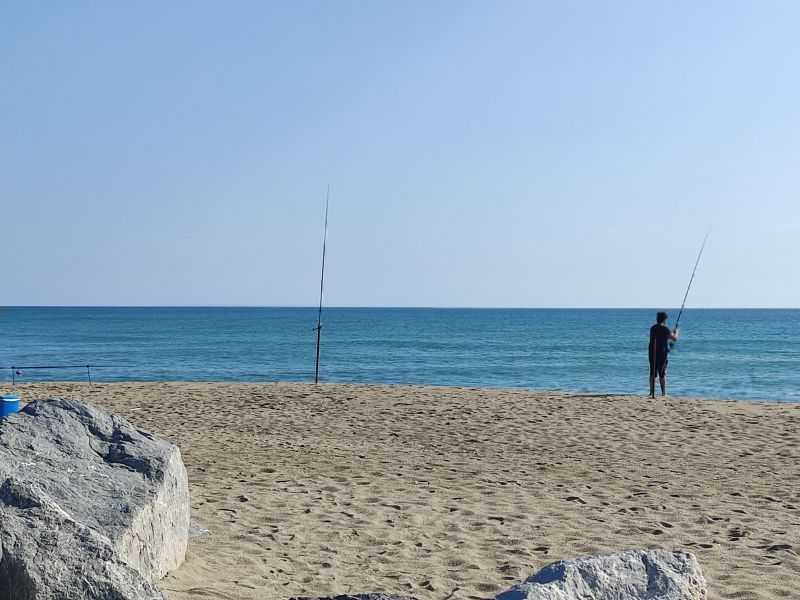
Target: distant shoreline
(6,386)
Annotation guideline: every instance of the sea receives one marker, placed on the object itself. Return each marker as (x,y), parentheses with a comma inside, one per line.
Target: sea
(748,354)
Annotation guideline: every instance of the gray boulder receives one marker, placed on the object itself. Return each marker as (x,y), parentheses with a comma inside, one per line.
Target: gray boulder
(633,575)
(47,555)
(90,506)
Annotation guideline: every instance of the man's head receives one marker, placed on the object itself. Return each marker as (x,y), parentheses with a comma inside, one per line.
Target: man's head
(661,317)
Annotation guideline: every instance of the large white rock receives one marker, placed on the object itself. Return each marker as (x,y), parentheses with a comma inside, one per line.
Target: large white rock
(89,505)
(633,575)
(47,555)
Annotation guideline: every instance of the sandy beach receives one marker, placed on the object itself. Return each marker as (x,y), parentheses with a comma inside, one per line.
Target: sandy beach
(448,493)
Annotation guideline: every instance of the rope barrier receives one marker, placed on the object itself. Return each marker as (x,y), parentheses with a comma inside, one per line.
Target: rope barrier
(17,370)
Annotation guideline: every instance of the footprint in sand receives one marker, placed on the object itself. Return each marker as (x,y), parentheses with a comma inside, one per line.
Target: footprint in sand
(735,534)
(577,499)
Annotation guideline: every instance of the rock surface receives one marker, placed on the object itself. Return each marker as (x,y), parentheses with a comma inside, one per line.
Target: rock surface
(633,575)
(90,506)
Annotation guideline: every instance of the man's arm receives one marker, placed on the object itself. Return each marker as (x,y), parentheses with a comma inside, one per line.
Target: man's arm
(673,335)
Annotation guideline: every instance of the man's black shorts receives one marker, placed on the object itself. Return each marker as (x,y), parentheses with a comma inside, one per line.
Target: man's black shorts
(660,366)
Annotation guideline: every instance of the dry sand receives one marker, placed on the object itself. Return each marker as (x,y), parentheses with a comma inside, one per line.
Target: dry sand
(460,493)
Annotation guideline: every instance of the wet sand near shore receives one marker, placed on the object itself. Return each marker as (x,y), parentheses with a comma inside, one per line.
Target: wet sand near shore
(444,493)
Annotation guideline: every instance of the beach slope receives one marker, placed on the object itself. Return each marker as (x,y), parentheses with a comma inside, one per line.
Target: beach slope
(460,493)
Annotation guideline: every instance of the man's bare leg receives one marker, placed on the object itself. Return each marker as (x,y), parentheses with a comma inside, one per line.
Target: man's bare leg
(662,380)
(652,385)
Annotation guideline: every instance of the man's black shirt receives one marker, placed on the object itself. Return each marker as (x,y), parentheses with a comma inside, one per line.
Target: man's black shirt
(659,339)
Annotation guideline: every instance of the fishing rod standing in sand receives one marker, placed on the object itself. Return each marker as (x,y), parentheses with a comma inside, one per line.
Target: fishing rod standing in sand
(321,284)
(691,279)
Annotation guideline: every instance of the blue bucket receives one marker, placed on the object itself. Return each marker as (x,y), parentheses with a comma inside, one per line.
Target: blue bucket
(10,405)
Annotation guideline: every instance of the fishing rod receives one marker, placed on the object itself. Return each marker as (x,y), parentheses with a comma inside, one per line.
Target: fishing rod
(686,295)
(318,328)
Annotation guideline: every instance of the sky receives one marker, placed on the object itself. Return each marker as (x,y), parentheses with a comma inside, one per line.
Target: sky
(480,154)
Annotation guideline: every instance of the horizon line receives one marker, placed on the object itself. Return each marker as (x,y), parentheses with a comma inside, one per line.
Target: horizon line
(416,307)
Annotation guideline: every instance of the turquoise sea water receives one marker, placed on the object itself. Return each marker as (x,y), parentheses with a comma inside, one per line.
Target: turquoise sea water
(746,354)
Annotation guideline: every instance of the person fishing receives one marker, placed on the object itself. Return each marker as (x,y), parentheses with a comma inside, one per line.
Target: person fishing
(662,338)
(658,352)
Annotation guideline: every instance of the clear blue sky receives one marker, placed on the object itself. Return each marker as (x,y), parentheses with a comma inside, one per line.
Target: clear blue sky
(535,153)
